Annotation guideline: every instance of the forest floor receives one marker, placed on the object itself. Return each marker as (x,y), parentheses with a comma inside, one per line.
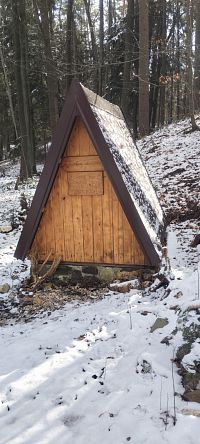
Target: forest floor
(107,367)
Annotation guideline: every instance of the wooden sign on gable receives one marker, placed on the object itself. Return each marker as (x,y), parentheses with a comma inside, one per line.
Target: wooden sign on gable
(85,183)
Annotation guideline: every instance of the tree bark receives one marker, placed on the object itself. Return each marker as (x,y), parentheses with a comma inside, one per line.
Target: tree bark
(23,91)
(69,43)
(178,101)
(143,67)
(43,16)
(94,46)
(163,61)
(101,51)
(197,56)
(128,56)
(8,91)
(189,15)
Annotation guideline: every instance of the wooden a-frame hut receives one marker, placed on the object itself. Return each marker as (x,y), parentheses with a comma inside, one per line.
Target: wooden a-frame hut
(94,203)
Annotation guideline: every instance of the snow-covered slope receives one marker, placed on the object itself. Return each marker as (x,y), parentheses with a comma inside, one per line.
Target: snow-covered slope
(172,157)
(101,371)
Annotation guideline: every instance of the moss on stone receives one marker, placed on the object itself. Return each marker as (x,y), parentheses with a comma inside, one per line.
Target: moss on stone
(191,333)
(190,380)
(182,351)
(107,274)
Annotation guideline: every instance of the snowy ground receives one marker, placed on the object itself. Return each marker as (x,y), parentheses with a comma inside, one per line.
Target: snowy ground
(94,372)
(78,376)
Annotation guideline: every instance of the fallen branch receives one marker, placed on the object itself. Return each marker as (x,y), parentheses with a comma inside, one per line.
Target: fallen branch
(34,265)
(193,307)
(49,273)
(44,263)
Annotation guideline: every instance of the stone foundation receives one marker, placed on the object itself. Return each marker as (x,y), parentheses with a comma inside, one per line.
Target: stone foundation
(98,275)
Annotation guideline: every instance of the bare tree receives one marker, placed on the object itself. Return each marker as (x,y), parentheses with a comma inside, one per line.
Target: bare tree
(23,89)
(189,18)
(94,45)
(128,56)
(43,14)
(7,85)
(69,43)
(101,51)
(197,55)
(143,67)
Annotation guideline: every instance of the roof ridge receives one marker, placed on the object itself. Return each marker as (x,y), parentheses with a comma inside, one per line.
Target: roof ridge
(99,102)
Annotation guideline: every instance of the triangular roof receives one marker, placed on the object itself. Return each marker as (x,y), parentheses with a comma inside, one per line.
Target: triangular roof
(117,150)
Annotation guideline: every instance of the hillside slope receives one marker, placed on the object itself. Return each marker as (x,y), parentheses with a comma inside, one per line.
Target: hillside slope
(114,368)
(172,157)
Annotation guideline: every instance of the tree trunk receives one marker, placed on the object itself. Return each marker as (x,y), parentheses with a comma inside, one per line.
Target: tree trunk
(135,86)
(94,45)
(23,92)
(197,56)
(101,52)
(69,43)
(42,11)
(128,56)
(110,17)
(189,15)
(143,67)
(163,61)
(8,91)
(178,61)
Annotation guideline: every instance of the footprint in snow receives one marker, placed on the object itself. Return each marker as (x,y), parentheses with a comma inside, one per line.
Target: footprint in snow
(59,400)
(35,396)
(71,420)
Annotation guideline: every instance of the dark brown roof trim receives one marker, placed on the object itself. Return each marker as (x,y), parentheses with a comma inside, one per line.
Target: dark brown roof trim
(77,104)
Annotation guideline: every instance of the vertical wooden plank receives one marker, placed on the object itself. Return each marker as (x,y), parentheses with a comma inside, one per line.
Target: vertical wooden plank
(87,228)
(68,228)
(61,196)
(35,245)
(86,146)
(38,245)
(97,212)
(120,235)
(115,218)
(73,148)
(57,216)
(78,229)
(50,225)
(47,228)
(111,195)
(134,252)
(41,241)
(92,150)
(127,241)
(138,256)
(107,223)
(84,140)
(52,209)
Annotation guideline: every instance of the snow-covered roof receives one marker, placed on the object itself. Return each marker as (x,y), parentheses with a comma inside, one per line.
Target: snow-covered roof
(129,163)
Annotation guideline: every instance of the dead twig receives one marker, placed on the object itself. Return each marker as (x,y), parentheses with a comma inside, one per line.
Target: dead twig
(193,307)
(49,273)
(44,263)
(174,392)
(34,265)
